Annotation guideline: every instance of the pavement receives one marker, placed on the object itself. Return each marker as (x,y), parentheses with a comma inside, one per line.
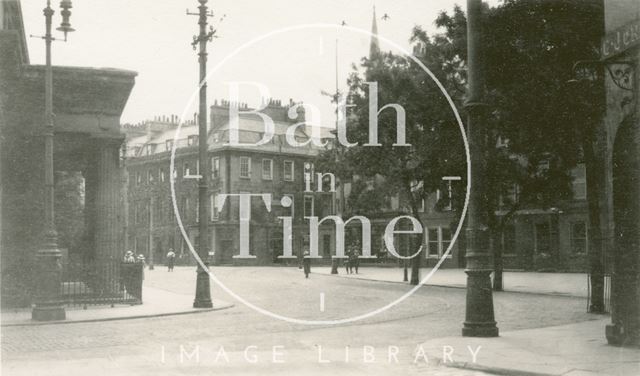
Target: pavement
(156,302)
(563,284)
(578,349)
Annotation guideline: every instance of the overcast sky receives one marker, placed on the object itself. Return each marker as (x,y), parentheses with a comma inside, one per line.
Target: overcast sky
(153,38)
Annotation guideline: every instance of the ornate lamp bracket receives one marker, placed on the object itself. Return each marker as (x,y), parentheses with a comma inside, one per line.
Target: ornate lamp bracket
(621,72)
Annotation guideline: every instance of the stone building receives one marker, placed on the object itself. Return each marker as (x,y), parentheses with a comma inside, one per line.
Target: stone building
(88,103)
(274,168)
(619,142)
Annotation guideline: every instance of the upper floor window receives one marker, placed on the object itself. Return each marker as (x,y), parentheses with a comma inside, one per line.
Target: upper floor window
(186,169)
(192,140)
(579,182)
(245,167)
(288,170)
(150,177)
(169,145)
(161,175)
(308,206)
(267,169)
(215,167)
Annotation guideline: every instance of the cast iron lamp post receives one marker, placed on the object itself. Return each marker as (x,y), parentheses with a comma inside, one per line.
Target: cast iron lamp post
(48,302)
(203,290)
(479,317)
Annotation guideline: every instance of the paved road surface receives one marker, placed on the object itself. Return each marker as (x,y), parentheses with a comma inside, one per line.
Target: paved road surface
(170,345)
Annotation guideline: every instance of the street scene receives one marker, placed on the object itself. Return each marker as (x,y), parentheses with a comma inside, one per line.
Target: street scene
(448,187)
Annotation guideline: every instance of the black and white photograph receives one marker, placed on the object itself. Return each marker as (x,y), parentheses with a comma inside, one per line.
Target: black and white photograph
(300,187)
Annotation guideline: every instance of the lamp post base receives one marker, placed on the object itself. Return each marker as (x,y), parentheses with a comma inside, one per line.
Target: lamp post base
(203,291)
(480,320)
(480,330)
(48,303)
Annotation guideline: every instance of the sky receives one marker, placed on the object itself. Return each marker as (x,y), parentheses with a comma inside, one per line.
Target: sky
(269,42)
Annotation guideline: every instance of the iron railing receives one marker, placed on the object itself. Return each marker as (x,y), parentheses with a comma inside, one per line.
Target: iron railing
(104,282)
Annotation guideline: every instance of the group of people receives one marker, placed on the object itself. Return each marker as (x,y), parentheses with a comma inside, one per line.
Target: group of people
(351,263)
(353,258)
(130,258)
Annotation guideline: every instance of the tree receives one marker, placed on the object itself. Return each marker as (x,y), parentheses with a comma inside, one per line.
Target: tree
(410,172)
(530,48)
(540,128)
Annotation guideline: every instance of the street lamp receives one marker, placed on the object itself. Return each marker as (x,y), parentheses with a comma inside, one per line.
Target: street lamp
(479,317)
(203,290)
(48,303)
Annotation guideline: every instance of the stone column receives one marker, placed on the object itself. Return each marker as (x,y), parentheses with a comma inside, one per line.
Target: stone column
(107,206)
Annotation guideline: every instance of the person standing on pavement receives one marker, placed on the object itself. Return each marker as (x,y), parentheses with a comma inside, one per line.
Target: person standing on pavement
(306,262)
(171,259)
(355,256)
(129,258)
(347,260)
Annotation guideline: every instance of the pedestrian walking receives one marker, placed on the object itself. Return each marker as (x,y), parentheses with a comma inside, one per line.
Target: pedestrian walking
(306,262)
(171,259)
(355,256)
(347,260)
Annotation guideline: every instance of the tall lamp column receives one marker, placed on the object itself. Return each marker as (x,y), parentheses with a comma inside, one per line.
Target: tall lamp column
(203,289)
(48,303)
(479,318)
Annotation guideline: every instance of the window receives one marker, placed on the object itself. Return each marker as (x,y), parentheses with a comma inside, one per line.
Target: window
(186,170)
(308,206)
(184,208)
(138,178)
(267,169)
(432,244)
(542,238)
(213,207)
(449,197)
(509,240)
(215,167)
(510,195)
(245,167)
(161,175)
(158,213)
(438,241)
(579,182)
(192,140)
(445,234)
(288,171)
(579,237)
(150,177)
(169,145)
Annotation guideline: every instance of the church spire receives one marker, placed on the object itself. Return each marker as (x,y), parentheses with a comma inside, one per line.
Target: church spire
(374,48)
